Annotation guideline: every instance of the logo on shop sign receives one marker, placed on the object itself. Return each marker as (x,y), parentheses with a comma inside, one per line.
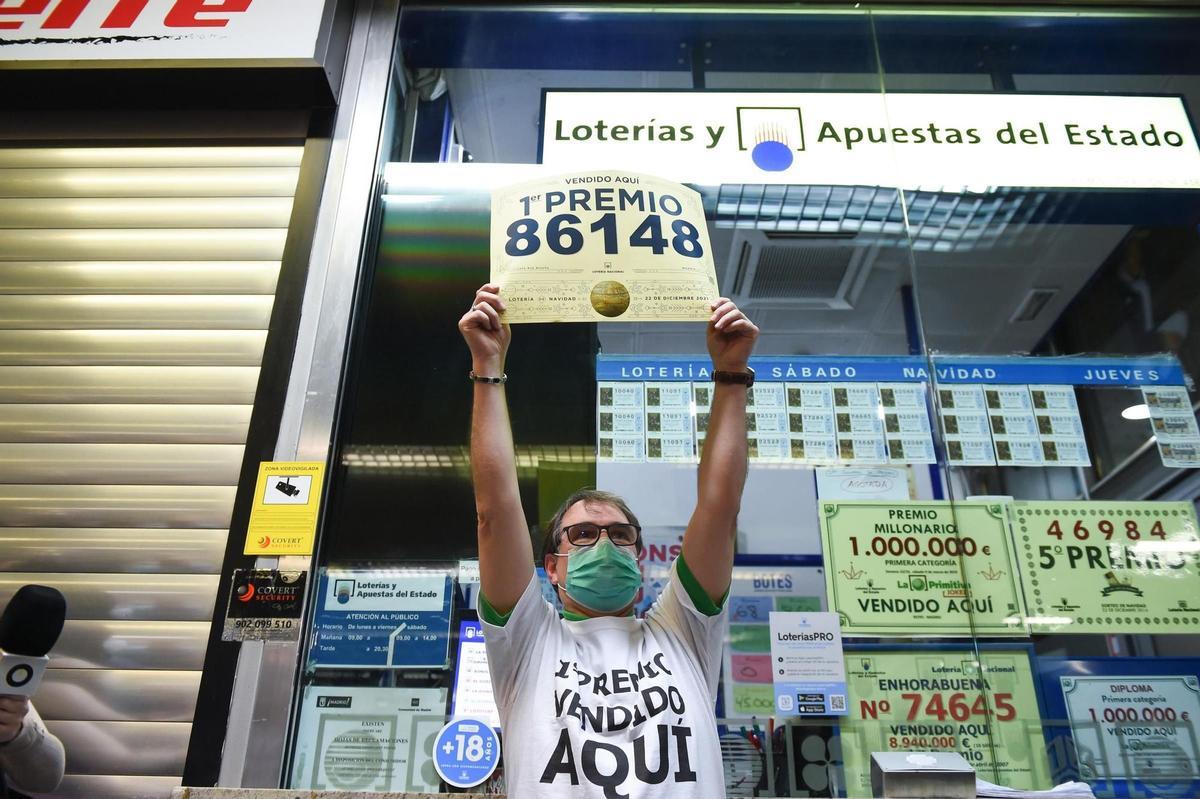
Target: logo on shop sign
(62,15)
(343,590)
(771,134)
(264,541)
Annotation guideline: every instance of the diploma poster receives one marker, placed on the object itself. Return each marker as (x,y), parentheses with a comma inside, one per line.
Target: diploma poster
(920,568)
(368,739)
(287,501)
(382,618)
(1128,726)
(982,705)
(1109,567)
(1173,424)
(601,246)
(1135,727)
(755,593)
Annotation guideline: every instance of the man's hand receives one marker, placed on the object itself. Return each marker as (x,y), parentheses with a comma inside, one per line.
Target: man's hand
(731,337)
(12,714)
(486,336)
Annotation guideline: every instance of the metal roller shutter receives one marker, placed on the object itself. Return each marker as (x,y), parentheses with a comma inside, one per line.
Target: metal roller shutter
(136,288)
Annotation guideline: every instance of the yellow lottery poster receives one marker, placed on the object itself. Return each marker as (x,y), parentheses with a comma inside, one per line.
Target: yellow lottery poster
(1109,567)
(982,705)
(921,568)
(602,245)
(287,500)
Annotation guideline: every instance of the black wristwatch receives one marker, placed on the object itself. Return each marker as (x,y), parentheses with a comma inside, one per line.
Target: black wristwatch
(745,378)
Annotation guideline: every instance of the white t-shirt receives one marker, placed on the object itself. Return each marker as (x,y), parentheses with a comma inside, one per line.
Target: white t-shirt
(612,707)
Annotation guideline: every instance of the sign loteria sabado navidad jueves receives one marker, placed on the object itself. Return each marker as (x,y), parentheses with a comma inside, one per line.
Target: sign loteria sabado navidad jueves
(950,142)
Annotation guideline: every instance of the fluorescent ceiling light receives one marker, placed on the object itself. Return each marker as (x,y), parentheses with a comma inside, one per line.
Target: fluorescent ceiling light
(1135,412)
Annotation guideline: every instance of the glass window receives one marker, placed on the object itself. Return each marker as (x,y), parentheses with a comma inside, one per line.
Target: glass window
(971,434)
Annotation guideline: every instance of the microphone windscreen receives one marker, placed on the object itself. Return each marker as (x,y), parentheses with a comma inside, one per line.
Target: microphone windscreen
(32,621)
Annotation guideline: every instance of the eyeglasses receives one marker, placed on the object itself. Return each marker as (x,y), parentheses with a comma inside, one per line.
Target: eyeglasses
(585,534)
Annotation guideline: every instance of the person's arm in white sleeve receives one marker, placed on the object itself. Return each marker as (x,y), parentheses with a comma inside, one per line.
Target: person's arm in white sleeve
(505,551)
(32,759)
(708,542)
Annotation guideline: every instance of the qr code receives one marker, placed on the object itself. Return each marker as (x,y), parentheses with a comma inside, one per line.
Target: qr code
(837,702)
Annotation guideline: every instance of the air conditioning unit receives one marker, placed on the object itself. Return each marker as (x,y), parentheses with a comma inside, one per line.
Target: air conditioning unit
(770,269)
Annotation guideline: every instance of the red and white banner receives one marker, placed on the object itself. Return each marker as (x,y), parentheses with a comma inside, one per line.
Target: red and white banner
(75,30)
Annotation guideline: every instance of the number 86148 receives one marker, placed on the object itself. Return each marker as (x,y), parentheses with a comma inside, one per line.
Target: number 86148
(562,237)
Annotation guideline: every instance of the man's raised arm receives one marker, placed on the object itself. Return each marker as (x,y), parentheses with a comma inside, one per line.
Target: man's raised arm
(505,552)
(708,544)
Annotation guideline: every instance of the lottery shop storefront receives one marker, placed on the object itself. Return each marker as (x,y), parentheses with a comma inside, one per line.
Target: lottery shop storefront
(970,238)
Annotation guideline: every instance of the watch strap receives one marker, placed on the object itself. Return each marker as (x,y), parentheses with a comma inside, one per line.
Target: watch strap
(745,378)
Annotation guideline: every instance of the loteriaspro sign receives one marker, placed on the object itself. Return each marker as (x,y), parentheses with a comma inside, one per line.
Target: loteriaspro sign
(87,30)
(932,141)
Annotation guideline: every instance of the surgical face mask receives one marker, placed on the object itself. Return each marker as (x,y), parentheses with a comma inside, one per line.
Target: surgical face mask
(602,577)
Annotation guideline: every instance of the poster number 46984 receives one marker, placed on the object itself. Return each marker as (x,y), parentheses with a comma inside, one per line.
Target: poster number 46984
(563,237)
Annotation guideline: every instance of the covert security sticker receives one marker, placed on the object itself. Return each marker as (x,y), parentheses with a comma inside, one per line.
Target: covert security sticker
(264,605)
(602,245)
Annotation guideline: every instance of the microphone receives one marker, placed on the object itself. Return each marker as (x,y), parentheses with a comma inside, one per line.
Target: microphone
(29,627)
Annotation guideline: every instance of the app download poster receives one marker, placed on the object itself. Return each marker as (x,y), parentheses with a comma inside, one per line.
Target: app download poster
(755,593)
(921,568)
(1109,567)
(981,705)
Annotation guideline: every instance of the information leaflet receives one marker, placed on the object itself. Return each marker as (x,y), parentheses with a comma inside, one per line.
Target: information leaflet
(806,657)
(602,246)
(473,695)
(368,739)
(920,568)
(1134,727)
(1110,567)
(983,707)
(382,619)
